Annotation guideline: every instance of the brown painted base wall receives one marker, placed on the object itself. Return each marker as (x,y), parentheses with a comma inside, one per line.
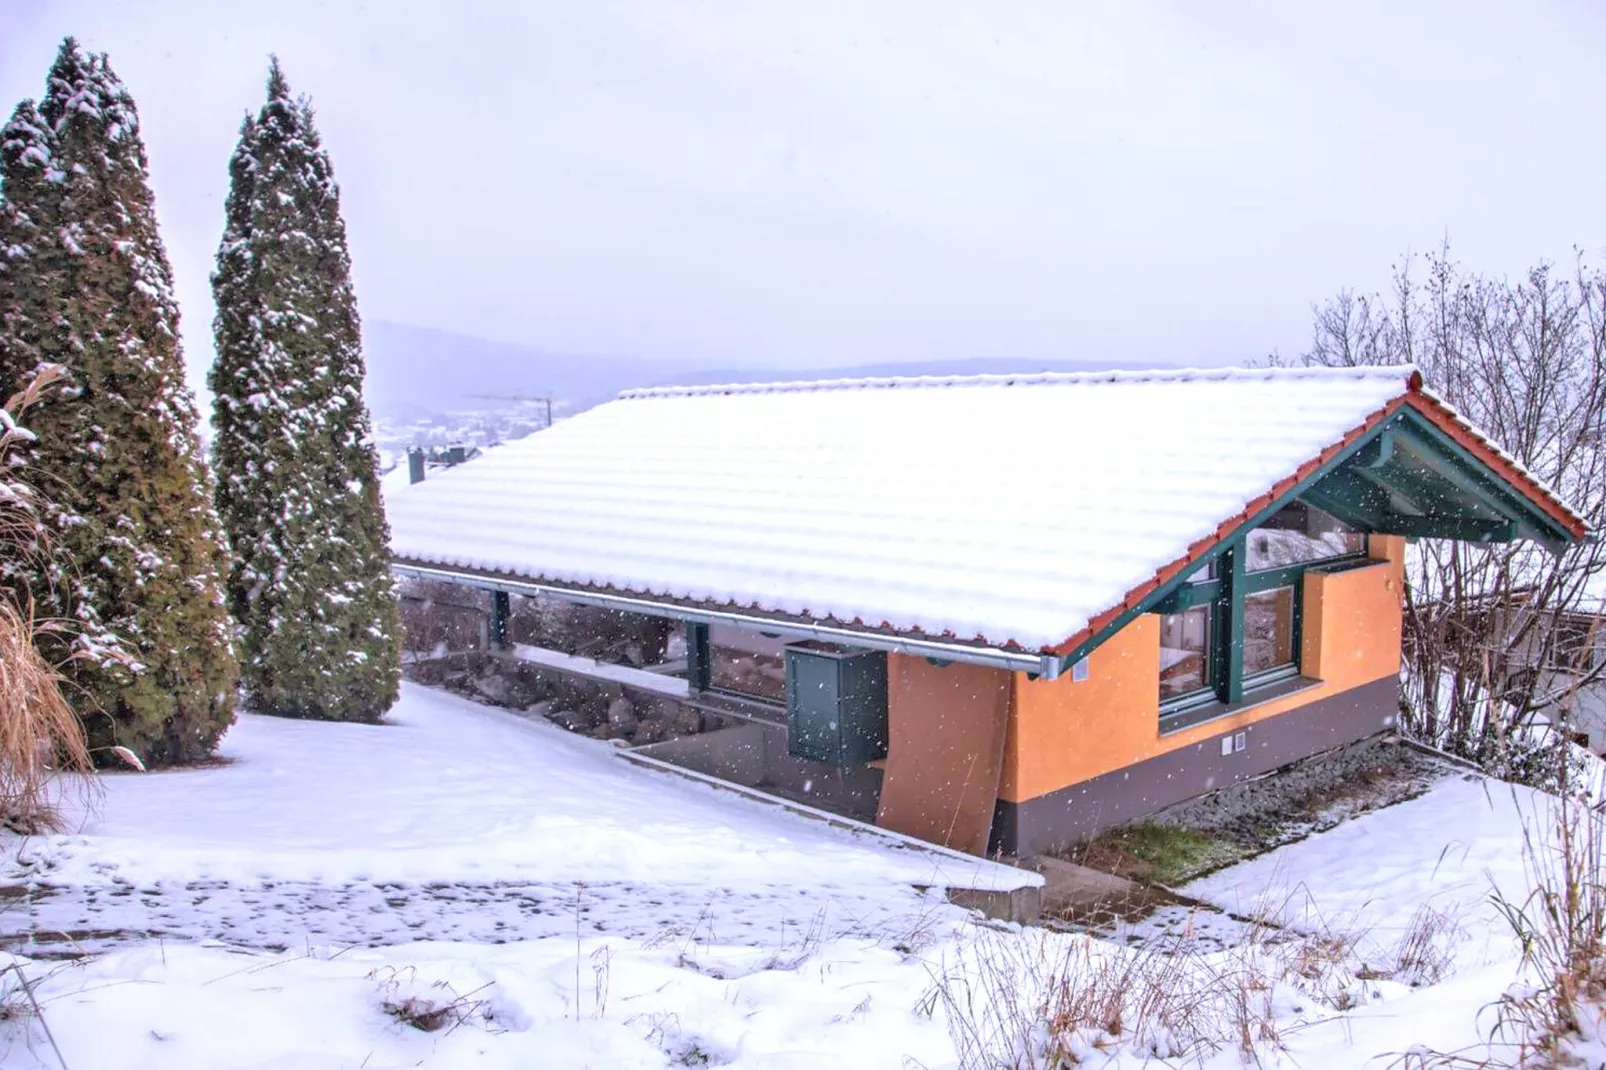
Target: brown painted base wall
(1061,818)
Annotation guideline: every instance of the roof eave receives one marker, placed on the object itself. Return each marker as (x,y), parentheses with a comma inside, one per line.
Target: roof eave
(1043,664)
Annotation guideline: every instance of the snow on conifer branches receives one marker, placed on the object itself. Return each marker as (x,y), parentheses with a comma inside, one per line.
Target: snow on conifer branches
(298,475)
(136,554)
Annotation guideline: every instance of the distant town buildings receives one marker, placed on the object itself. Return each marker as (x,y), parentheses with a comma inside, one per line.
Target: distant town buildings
(473,429)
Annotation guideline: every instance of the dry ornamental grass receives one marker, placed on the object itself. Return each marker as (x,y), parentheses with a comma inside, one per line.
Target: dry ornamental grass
(40,736)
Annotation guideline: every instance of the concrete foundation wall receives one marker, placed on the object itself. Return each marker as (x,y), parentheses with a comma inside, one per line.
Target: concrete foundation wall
(754,755)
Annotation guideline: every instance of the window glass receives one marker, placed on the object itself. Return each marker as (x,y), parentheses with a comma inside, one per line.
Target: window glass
(1299,533)
(746,662)
(1184,652)
(1268,630)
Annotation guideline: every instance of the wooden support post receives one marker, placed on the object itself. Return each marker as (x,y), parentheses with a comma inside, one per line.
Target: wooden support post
(697,656)
(1232,589)
(500,611)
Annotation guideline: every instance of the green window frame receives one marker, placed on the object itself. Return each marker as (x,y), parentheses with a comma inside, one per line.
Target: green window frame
(1225,585)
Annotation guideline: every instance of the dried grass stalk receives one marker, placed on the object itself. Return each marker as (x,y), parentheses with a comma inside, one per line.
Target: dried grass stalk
(43,752)
(42,747)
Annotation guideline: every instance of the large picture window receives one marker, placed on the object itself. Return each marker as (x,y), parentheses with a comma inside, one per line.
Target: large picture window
(1268,631)
(1299,534)
(1235,626)
(1185,653)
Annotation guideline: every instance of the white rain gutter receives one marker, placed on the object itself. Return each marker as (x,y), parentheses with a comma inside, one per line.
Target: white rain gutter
(1045,665)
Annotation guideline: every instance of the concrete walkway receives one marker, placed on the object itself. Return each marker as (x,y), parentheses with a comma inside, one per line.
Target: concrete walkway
(1071,891)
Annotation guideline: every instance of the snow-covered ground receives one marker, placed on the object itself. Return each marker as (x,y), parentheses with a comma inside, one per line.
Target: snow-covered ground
(1445,851)
(281,909)
(454,821)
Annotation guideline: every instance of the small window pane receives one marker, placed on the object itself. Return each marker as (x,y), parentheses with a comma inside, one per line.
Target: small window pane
(1268,630)
(1298,533)
(1184,652)
(746,662)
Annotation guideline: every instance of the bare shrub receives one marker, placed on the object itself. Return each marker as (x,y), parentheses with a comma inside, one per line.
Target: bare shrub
(1426,951)
(428,1009)
(1492,648)
(805,945)
(1034,1001)
(1031,1002)
(1561,926)
(1324,967)
(20,1008)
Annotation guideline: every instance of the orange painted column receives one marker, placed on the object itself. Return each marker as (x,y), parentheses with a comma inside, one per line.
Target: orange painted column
(944,751)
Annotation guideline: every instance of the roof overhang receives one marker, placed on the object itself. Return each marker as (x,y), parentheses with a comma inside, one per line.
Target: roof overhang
(1411,478)
(1414,468)
(1036,664)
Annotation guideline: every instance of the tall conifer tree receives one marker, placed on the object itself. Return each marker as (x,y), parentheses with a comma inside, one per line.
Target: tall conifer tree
(298,475)
(137,551)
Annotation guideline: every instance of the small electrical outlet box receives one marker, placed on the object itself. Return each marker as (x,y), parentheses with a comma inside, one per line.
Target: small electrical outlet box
(1226,746)
(1240,741)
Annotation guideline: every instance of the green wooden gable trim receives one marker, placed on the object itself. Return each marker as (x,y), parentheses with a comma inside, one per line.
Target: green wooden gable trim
(1404,477)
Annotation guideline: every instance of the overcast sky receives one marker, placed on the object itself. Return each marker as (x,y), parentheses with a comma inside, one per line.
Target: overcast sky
(827,183)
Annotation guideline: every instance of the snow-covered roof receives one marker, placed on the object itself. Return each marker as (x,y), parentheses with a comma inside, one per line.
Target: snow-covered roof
(1006,510)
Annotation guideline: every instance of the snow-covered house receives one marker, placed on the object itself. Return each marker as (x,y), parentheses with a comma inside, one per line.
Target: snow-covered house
(1013,609)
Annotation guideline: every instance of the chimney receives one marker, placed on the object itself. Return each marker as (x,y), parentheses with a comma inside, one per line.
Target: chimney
(415,465)
(456,454)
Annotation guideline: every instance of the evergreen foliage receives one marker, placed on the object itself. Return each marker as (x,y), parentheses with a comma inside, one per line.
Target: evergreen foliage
(130,550)
(298,475)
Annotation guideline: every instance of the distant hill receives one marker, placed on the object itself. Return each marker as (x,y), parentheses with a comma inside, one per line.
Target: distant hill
(421,370)
(414,370)
(974,366)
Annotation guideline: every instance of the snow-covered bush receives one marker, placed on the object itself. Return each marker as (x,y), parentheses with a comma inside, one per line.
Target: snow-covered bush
(298,474)
(136,548)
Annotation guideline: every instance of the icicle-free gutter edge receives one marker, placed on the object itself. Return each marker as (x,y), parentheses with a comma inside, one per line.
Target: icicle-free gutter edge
(1045,665)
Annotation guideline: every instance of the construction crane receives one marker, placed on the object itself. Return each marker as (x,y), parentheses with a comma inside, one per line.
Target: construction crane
(547,401)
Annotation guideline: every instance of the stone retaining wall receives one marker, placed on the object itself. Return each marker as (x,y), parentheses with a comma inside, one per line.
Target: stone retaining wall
(443,618)
(602,709)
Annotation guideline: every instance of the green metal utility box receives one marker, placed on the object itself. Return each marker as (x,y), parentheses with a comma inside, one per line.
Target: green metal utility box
(836,703)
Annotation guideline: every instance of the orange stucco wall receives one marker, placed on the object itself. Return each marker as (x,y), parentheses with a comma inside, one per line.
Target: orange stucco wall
(946,729)
(1061,733)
